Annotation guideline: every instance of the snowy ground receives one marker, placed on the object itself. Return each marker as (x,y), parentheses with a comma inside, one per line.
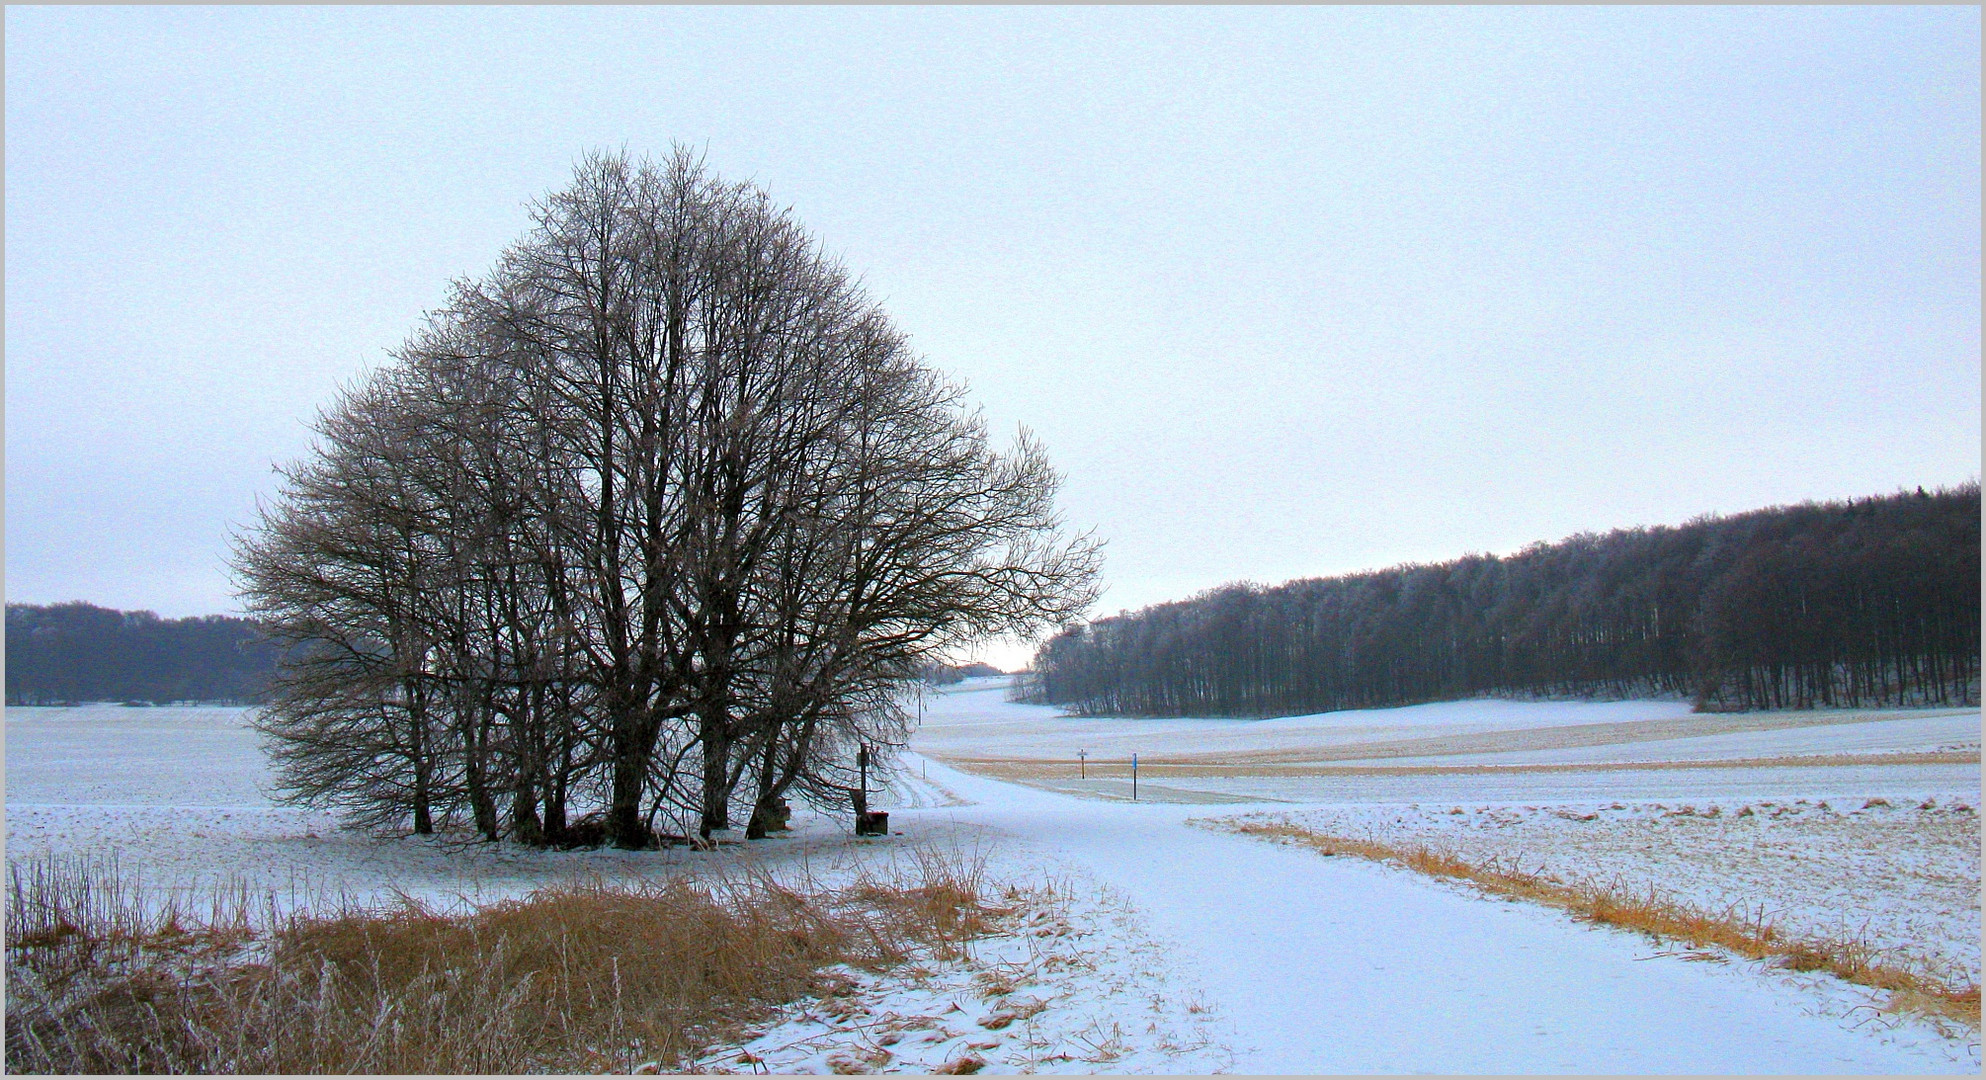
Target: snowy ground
(1071,982)
(1334,965)
(1900,875)
(975,722)
(181,796)
(1138,942)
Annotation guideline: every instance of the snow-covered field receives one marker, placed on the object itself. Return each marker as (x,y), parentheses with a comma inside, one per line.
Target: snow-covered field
(1072,983)
(977,725)
(181,796)
(1138,942)
(1900,875)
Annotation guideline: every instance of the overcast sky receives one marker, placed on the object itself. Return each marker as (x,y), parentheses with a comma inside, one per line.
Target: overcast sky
(1286,292)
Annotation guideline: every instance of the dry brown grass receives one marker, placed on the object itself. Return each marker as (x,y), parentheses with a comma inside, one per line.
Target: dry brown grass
(104,977)
(1750,935)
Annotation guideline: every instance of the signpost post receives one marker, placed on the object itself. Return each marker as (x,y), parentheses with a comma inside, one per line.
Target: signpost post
(867,822)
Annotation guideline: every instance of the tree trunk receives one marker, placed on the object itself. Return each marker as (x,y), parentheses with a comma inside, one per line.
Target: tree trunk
(525,826)
(716,773)
(624,827)
(765,808)
(417,713)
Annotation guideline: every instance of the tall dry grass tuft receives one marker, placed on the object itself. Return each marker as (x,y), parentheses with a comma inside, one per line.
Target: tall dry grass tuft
(102,977)
(938,898)
(92,898)
(1751,935)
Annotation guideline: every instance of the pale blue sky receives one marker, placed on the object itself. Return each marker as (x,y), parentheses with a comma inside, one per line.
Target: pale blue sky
(1286,291)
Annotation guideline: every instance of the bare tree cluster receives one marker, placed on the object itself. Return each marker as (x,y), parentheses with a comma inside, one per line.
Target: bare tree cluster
(1869,602)
(655,520)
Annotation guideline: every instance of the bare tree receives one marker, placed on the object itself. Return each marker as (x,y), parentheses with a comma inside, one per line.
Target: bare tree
(339,572)
(663,488)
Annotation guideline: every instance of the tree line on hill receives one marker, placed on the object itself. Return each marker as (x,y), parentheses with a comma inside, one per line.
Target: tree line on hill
(952,674)
(661,513)
(78,652)
(1873,601)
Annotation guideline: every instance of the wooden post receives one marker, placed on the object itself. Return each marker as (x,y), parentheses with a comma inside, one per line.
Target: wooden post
(861,794)
(1134,777)
(1082,764)
(867,822)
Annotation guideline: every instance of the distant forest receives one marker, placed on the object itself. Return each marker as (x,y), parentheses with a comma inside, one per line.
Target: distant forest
(81,652)
(1869,602)
(952,674)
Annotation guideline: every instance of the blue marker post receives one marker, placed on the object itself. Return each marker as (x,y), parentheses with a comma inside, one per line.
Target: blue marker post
(1134,777)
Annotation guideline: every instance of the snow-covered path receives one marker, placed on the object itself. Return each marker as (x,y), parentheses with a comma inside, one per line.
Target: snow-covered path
(1338,965)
